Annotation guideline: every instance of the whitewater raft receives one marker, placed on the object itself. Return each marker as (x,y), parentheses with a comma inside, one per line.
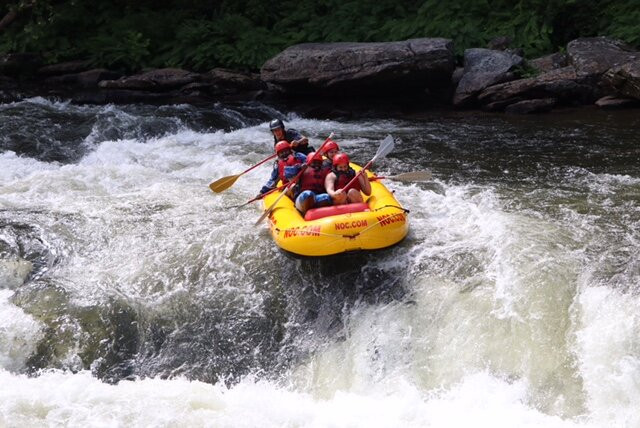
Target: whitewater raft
(377,223)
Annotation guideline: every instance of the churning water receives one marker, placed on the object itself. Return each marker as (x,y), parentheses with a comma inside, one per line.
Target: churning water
(130,295)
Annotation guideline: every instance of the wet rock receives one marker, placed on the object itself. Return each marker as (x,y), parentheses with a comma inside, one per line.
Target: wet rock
(532,106)
(500,105)
(362,67)
(226,81)
(456,76)
(625,79)
(155,80)
(20,64)
(69,67)
(85,79)
(611,102)
(593,56)
(549,62)
(483,68)
(562,84)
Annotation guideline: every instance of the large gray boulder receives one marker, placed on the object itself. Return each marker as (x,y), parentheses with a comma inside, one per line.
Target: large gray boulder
(625,79)
(593,56)
(225,80)
(62,68)
(562,85)
(339,67)
(596,67)
(483,68)
(155,80)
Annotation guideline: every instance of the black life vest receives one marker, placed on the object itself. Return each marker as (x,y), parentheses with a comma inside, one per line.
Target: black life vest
(343,178)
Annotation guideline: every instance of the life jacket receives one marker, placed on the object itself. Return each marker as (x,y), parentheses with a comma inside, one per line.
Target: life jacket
(343,178)
(313,179)
(282,163)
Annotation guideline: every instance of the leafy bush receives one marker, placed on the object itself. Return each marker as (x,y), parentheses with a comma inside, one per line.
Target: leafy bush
(243,34)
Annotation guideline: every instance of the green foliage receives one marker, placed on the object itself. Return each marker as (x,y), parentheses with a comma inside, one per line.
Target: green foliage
(231,41)
(243,34)
(128,51)
(624,21)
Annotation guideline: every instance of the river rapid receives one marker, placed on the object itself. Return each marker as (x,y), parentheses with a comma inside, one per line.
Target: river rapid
(131,295)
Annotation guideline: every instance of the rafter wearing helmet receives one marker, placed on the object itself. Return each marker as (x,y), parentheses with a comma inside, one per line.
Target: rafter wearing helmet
(310,192)
(340,175)
(299,143)
(286,167)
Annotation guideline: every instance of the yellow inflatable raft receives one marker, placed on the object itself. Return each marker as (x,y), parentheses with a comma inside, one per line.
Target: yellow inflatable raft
(379,223)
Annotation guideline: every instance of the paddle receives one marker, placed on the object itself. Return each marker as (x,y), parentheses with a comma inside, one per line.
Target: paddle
(257,198)
(385,148)
(407,177)
(225,182)
(268,211)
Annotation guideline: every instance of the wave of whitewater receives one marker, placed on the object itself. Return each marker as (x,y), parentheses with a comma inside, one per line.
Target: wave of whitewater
(131,296)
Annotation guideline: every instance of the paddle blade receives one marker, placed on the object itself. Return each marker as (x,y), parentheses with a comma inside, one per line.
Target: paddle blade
(385,148)
(413,177)
(223,184)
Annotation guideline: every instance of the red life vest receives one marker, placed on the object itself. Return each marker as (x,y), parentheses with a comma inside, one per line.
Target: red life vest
(313,179)
(290,161)
(343,178)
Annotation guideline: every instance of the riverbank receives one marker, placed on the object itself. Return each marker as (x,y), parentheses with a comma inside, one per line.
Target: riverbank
(341,80)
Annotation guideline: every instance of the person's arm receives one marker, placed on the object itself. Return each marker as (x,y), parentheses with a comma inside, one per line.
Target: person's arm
(302,141)
(365,184)
(297,139)
(273,180)
(329,184)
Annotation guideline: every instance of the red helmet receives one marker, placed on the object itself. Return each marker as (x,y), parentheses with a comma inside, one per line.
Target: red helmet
(340,159)
(331,145)
(282,145)
(313,156)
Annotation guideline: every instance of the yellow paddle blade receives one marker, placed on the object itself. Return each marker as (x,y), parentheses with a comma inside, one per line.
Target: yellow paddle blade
(223,183)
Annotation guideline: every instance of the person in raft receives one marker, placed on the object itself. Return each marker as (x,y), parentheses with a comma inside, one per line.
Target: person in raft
(330,150)
(299,143)
(340,176)
(310,192)
(285,168)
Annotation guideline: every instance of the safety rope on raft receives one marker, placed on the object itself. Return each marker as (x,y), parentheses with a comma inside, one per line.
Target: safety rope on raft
(406,211)
(353,236)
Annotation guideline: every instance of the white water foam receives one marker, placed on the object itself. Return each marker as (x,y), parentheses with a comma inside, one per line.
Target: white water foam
(19,335)
(608,350)
(484,340)
(78,400)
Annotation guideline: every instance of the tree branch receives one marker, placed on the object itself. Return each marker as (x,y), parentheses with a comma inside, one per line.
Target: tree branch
(8,19)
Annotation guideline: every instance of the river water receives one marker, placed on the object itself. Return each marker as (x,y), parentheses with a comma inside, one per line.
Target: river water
(130,295)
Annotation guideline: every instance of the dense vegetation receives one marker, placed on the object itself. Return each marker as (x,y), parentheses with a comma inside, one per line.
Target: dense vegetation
(242,34)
